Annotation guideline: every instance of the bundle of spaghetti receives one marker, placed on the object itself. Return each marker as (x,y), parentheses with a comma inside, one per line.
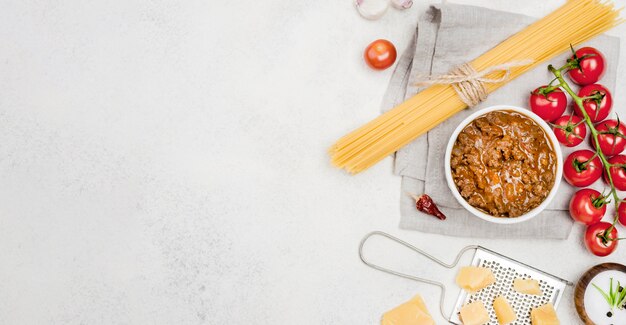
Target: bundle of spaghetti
(573,23)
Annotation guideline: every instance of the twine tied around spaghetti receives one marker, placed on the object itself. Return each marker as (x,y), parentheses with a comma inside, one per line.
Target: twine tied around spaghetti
(469,84)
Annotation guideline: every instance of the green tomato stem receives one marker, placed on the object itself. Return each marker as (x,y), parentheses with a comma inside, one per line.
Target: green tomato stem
(594,134)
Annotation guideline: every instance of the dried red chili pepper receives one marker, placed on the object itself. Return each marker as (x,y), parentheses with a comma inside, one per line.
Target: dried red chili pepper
(425,204)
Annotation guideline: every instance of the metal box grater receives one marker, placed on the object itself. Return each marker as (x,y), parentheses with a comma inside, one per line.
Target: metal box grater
(505,270)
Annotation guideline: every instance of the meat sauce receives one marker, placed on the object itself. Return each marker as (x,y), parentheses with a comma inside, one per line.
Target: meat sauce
(503,163)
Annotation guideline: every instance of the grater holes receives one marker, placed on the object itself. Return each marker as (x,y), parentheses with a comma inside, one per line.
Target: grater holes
(522,304)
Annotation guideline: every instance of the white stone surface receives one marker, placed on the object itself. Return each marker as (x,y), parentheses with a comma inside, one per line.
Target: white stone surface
(164,162)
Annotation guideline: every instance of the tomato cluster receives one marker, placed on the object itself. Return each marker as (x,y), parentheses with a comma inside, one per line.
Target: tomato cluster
(584,167)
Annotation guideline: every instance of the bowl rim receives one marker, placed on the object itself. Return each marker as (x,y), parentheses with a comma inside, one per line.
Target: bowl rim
(555,145)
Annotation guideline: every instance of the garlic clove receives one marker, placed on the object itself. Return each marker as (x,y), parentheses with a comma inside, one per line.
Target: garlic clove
(402,4)
(371,9)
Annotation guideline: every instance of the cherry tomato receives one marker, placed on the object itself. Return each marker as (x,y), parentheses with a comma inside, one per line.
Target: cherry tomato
(587,206)
(587,66)
(580,170)
(570,130)
(547,102)
(599,107)
(380,54)
(599,243)
(612,137)
(618,173)
(621,213)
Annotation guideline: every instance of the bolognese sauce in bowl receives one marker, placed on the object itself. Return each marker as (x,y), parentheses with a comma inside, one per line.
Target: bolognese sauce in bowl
(503,164)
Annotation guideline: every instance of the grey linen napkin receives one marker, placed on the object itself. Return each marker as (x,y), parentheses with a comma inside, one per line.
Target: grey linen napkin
(446,36)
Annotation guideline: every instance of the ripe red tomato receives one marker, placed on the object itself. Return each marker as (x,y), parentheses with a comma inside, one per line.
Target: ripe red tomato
(587,66)
(570,130)
(597,108)
(621,213)
(612,137)
(580,170)
(587,206)
(599,243)
(618,172)
(547,102)
(380,54)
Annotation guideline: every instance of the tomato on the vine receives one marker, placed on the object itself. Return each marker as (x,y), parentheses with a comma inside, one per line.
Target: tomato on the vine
(587,206)
(548,102)
(597,104)
(621,213)
(586,66)
(599,241)
(618,172)
(570,130)
(380,54)
(612,137)
(582,168)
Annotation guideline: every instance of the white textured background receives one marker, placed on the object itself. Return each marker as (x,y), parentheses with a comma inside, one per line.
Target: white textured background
(164,162)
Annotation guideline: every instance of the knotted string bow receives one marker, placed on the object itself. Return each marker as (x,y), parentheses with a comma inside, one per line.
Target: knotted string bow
(469,84)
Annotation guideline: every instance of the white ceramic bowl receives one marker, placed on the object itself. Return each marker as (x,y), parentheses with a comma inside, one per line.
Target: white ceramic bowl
(557,150)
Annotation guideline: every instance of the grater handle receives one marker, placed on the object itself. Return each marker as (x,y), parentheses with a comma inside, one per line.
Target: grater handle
(408,276)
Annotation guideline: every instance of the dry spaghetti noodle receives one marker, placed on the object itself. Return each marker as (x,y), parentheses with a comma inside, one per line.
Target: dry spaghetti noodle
(573,23)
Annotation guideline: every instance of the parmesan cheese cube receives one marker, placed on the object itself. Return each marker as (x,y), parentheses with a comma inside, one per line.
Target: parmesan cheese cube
(544,315)
(474,278)
(412,312)
(527,286)
(504,311)
(474,314)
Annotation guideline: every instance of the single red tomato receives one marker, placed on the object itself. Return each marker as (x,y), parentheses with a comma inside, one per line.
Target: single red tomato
(621,213)
(380,54)
(598,241)
(582,168)
(587,206)
(548,102)
(599,106)
(618,172)
(612,137)
(587,66)
(570,130)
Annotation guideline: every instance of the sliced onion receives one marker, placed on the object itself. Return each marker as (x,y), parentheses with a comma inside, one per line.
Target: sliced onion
(371,9)
(402,4)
